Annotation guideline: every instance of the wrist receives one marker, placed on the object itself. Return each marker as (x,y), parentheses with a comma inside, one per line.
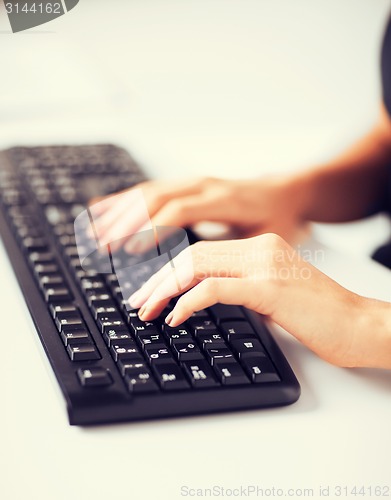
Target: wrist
(371,334)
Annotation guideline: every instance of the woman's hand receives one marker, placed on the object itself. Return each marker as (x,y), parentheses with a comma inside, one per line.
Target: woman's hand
(249,207)
(265,274)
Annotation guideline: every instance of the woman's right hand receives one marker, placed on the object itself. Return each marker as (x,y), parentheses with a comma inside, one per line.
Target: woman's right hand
(267,275)
(248,207)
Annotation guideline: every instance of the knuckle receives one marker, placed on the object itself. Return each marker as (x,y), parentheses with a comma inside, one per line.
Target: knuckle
(183,304)
(175,207)
(158,197)
(211,286)
(272,241)
(198,251)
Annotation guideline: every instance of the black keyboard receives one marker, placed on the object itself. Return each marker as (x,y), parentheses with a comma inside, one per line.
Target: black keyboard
(110,365)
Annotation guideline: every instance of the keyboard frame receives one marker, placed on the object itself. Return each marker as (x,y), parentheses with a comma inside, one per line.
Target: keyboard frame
(91,406)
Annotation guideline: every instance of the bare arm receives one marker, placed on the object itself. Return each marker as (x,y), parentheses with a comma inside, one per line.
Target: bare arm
(265,274)
(352,186)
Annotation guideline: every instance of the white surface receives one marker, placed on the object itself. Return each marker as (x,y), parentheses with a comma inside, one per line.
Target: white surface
(230,88)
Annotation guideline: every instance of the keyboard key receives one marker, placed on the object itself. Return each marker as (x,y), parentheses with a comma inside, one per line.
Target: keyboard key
(83,352)
(218,353)
(60,308)
(101,311)
(130,315)
(26,231)
(237,329)
(57,295)
(41,257)
(67,240)
(146,338)
(97,300)
(127,365)
(73,252)
(170,376)
(127,350)
(115,330)
(248,347)
(81,273)
(109,320)
(174,334)
(211,338)
(76,337)
(140,380)
(94,377)
(108,316)
(64,229)
(119,337)
(198,325)
(230,372)
(184,350)
(51,281)
(108,325)
(34,244)
(157,354)
(45,269)
(260,369)
(199,373)
(70,319)
(143,326)
(95,285)
(223,312)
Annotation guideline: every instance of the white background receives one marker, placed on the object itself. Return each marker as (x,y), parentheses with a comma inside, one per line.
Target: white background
(231,88)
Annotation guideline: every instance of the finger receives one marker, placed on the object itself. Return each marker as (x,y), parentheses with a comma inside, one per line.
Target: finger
(101,203)
(124,219)
(185,274)
(208,292)
(141,241)
(198,262)
(134,208)
(179,212)
(187,210)
(119,207)
(168,272)
(167,290)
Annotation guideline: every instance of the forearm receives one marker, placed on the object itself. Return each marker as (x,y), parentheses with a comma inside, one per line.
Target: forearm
(353,185)
(342,327)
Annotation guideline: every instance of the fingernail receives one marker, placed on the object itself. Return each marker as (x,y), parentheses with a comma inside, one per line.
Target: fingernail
(169,318)
(142,312)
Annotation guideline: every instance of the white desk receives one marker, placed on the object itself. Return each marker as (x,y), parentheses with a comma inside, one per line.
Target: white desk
(234,87)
